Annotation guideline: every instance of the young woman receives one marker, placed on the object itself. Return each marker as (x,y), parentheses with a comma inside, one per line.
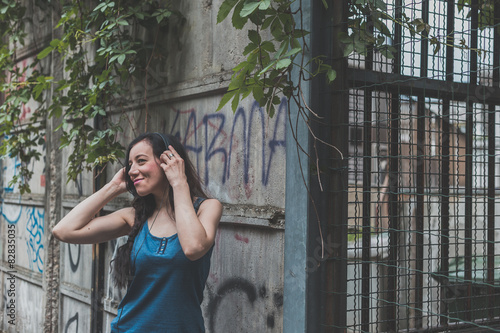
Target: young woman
(171,229)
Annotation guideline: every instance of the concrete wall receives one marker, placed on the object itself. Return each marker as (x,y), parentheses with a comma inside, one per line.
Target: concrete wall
(240,157)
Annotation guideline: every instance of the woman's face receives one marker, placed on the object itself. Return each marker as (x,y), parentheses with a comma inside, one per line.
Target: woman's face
(145,171)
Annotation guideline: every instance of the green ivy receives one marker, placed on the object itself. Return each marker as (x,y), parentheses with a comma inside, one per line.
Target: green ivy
(272,51)
(102,55)
(276,41)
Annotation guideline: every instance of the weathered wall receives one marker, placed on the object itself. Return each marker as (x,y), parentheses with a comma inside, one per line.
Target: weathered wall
(23,233)
(240,157)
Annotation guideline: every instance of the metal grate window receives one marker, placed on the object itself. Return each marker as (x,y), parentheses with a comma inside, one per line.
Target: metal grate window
(424,178)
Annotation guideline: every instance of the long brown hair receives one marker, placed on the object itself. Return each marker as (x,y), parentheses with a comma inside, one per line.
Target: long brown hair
(146,205)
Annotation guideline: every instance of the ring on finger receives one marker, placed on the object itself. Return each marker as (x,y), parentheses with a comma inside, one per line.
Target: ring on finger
(170,155)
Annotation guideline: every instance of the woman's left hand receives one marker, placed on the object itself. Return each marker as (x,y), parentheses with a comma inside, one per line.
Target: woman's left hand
(173,166)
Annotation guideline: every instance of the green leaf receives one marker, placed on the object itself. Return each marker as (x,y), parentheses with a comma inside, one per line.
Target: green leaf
(292,52)
(55,43)
(162,14)
(421,27)
(461,3)
(235,102)
(249,48)
(226,98)
(348,49)
(265,4)
(258,94)
(283,63)
(283,47)
(360,46)
(437,47)
(268,46)
(299,33)
(249,8)
(225,9)
(381,5)
(45,52)
(237,20)
(380,26)
(277,30)
(111,4)
(56,112)
(254,36)
(240,66)
(271,64)
(121,59)
(331,74)
(271,110)
(102,4)
(267,22)
(245,94)
(238,81)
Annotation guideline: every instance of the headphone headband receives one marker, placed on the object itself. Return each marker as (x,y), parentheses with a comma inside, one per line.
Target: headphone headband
(165,140)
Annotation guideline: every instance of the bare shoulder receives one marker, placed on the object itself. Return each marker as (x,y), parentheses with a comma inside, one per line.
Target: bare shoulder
(211,204)
(212,208)
(127,214)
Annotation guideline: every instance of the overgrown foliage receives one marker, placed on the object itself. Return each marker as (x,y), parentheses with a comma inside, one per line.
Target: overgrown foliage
(272,51)
(277,44)
(102,54)
(103,51)
(277,48)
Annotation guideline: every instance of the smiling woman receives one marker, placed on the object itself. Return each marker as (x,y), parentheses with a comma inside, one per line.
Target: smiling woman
(144,170)
(171,227)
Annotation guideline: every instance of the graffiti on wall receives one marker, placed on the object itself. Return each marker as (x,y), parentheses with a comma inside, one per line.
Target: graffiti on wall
(217,138)
(11,213)
(77,264)
(248,293)
(34,241)
(35,220)
(72,324)
(74,258)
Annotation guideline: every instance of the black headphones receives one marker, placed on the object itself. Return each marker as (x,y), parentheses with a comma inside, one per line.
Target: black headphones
(165,140)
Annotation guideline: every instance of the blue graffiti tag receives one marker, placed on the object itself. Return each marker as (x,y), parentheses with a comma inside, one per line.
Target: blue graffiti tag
(242,130)
(35,228)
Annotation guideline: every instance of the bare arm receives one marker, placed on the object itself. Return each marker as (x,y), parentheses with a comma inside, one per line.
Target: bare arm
(80,227)
(196,232)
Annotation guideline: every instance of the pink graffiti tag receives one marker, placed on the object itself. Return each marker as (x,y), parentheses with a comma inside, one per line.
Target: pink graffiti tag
(241,238)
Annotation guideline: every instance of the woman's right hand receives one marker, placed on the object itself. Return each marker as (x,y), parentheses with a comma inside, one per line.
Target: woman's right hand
(81,226)
(120,180)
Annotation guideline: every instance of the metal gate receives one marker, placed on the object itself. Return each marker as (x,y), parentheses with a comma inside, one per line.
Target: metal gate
(423,244)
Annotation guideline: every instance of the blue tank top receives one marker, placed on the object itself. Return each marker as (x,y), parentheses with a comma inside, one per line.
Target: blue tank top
(167,289)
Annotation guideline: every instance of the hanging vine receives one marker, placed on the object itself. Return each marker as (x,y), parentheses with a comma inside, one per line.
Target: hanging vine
(102,55)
